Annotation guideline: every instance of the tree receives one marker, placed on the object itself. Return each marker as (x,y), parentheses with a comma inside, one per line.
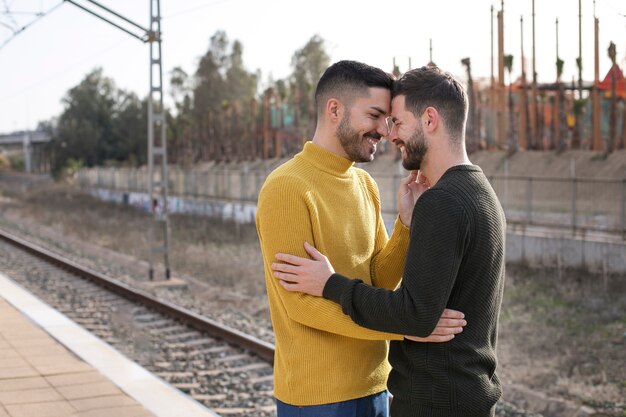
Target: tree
(100,124)
(222,89)
(180,124)
(242,87)
(472,129)
(308,64)
(85,122)
(578,108)
(180,86)
(560,111)
(208,94)
(508,64)
(613,113)
(130,130)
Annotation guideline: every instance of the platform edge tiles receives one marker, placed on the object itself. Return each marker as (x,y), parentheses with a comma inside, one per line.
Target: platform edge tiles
(150,391)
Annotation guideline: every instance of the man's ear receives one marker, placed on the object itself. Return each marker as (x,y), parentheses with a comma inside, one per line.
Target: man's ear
(431,119)
(334,110)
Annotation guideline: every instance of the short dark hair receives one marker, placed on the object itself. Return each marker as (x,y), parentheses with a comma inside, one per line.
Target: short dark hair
(346,80)
(429,86)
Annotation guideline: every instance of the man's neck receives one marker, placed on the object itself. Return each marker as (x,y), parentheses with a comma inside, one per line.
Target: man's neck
(441,160)
(329,141)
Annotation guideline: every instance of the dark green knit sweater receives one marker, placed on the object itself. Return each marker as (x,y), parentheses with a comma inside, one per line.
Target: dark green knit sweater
(455,260)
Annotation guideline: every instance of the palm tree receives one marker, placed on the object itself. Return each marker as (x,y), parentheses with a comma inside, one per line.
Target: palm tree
(578,108)
(508,64)
(472,127)
(562,134)
(622,144)
(613,114)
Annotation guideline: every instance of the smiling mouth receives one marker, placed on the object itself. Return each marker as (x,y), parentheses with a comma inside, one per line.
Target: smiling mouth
(372,141)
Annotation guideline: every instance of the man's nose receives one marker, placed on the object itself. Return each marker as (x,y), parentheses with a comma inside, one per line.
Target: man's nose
(393,133)
(382,129)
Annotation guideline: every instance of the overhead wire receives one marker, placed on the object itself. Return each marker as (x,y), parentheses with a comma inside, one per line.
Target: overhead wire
(23,28)
(612,6)
(12,29)
(64,71)
(6,6)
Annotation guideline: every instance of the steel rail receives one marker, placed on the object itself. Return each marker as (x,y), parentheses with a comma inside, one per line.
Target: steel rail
(259,347)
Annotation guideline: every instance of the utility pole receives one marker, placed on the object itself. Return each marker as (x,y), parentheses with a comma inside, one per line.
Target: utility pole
(558,102)
(266,123)
(157,143)
(580,50)
(28,152)
(157,149)
(501,92)
(431,50)
(523,114)
(558,77)
(492,99)
(534,115)
(596,137)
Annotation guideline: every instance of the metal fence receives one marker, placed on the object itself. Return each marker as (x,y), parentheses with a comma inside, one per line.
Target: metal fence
(580,204)
(577,203)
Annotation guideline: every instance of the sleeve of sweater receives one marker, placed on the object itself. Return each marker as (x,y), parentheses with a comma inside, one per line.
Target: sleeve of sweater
(283,225)
(389,253)
(439,234)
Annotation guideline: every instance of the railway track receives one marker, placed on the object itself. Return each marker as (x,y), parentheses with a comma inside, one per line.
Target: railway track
(223,368)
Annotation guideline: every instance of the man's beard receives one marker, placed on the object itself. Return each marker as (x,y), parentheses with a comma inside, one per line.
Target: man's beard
(352,142)
(415,150)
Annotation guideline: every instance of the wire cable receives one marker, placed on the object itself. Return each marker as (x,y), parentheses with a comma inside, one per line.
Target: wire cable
(23,28)
(612,6)
(64,71)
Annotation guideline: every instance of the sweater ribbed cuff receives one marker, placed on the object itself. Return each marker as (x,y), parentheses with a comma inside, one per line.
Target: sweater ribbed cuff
(336,286)
(398,222)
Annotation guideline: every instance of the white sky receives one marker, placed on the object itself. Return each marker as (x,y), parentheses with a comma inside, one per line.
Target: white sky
(38,66)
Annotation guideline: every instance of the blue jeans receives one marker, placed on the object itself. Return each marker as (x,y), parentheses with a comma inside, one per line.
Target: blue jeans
(376,405)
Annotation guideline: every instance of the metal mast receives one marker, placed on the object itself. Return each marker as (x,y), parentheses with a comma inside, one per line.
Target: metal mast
(157,150)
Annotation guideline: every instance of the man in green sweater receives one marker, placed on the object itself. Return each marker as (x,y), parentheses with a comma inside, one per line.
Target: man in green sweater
(455,260)
(325,364)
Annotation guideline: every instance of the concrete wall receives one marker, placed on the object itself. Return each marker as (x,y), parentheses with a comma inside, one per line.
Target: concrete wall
(240,212)
(534,246)
(565,250)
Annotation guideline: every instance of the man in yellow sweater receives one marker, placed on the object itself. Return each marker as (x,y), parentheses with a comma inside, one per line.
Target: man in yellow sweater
(325,364)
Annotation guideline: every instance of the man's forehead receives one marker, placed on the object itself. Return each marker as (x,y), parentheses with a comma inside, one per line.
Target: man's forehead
(377,99)
(379,109)
(397,106)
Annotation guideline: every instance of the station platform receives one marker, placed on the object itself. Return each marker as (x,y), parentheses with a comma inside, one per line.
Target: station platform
(51,367)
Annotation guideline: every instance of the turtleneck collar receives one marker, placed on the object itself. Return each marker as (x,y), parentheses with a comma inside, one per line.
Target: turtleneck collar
(326,160)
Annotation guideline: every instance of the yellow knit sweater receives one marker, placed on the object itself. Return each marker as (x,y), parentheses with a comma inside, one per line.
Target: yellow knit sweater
(322,356)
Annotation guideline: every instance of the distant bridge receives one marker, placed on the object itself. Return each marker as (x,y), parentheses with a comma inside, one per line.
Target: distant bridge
(29,143)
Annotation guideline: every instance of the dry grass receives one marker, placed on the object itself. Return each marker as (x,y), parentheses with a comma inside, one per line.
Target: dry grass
(565,336)
(218,253)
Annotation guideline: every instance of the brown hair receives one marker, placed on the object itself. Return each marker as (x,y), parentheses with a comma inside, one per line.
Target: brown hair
(430,86)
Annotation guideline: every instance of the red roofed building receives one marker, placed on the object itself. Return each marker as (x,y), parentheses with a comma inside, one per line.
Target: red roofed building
(620,82)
